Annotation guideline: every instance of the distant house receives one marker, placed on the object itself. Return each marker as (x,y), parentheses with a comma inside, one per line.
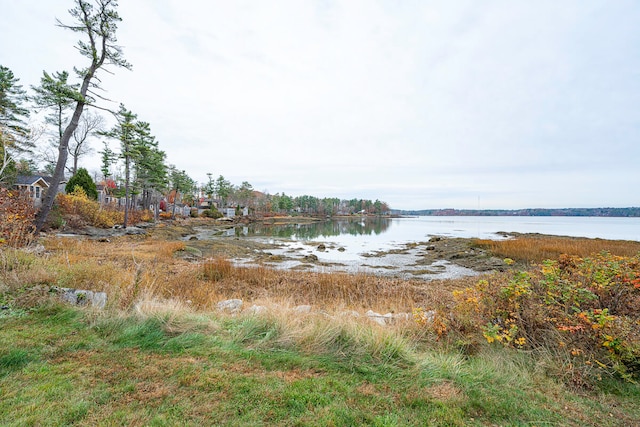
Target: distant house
(231,212)
(103,195)
(34,185)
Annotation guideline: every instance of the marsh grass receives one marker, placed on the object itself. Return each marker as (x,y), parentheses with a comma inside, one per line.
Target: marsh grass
(535,249)
(329,291)
(132,269)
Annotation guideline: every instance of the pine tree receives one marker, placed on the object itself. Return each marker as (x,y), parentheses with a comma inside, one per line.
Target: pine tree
(98,21)
(82,179)
(13,131)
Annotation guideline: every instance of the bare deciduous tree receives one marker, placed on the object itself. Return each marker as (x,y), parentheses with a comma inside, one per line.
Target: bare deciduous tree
(90,124)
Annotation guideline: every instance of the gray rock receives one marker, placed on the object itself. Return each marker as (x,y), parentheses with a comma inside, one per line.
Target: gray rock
(428,316)
(36,249)
(232,305)
(321,247)
(402,316)
(82,297)
(302,309)
(311,257)
(257,309)
(351,313)
(132,231)
(381,319)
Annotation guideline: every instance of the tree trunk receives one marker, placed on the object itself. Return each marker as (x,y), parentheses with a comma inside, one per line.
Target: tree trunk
(63,149)
(175,201)
(126,192)
(58,174)
(156,206)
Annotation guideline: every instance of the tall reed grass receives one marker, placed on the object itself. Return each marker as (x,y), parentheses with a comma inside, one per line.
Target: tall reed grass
(330,291)
(539,248)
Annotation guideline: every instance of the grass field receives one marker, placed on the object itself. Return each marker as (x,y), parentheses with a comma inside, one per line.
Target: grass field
(161,354)
(538,248)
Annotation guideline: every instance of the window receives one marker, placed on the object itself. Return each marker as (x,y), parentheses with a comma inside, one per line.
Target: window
(37,192)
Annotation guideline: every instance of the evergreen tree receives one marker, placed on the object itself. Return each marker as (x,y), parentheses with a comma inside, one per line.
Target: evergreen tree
(82,179)
(125,131)
(13,131)
(223,189)
(58,95)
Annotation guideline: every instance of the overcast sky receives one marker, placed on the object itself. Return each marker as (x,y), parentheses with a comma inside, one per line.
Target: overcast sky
(422,104)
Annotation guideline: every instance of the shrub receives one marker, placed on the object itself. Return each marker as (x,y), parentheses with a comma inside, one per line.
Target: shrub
(78,210)
(212,213)
(589,308)
(83,180)
(165,215)
(16,218)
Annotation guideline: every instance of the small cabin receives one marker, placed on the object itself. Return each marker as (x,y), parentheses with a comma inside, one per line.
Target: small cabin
(34,185)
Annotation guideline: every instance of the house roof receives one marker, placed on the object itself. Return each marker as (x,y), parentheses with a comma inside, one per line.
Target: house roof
(33,179)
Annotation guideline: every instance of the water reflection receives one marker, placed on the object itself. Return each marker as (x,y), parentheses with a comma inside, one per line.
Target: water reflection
(310,231)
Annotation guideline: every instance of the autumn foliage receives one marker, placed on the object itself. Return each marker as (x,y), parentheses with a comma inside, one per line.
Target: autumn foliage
(585,308)
(16,218)
(79,210)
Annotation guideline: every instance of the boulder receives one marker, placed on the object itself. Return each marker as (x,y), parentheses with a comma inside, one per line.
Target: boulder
(302,309)
(36,249)
(133,231)
(232,305)
(82,297)
(257,309)
(381,319)
(402,316)
(426,316)
(350,313)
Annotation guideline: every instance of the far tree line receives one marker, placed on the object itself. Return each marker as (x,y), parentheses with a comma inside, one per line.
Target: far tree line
(133,167)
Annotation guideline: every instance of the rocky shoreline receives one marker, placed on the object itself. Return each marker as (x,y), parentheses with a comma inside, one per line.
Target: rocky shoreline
(439,257)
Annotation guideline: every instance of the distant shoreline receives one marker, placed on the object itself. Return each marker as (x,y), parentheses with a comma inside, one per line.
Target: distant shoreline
(582,212)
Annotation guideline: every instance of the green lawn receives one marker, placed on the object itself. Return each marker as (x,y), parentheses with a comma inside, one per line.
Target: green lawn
(64,366)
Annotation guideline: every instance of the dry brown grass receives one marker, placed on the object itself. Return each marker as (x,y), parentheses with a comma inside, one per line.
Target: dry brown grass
(331,291)
(539,248)
(134,268)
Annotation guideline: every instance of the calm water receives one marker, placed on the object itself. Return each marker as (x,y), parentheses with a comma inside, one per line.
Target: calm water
(486,227)
(359,236)
(349,241)
(402,230)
